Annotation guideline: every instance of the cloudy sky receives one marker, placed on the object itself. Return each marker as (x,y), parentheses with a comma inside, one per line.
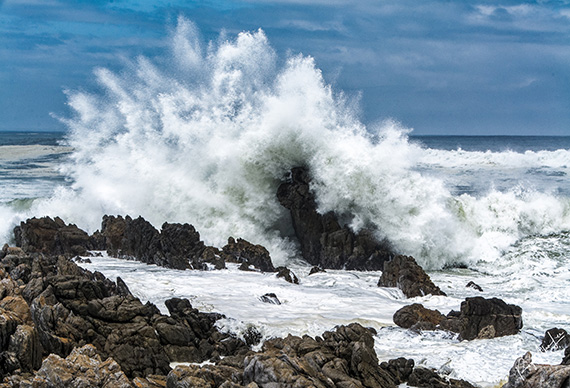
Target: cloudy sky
(440,67)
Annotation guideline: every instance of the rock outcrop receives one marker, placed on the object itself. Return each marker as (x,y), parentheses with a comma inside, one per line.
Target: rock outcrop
(82,368)
(91,331)
(52,236)
(478,318)
(403,272)
(489,318)
(427,378)
(176,246)
(525,374)
(344,357)
(249,255)
(62,306)
(324,242)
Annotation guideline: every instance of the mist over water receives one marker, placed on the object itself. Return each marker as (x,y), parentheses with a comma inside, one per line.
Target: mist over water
(206,136)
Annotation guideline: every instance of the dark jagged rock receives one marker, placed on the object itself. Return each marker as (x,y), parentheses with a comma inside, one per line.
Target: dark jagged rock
(69,307)
(403,272)
(323,241)
(344,357)
(287,274)
(176,246)
(399,368)
(270,298)
(78,318)
(52,236)
(474,285)
(82,368)
(130,238)
(525,374)
(478,318)
(248,254)
(179,244)
(316,269)
(122,288)
(192,336)
(427,378)
(489,318)
(252,336)
(555,339)
(26,347)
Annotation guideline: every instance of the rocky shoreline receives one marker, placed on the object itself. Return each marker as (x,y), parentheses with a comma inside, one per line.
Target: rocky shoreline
(64,326)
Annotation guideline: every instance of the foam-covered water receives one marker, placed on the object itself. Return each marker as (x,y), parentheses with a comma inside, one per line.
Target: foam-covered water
(206,135)
(335,297)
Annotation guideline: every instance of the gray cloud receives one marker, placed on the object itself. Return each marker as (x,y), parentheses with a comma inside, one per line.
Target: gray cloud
(438,66)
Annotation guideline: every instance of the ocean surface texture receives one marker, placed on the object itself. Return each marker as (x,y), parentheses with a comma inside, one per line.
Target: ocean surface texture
(207,137)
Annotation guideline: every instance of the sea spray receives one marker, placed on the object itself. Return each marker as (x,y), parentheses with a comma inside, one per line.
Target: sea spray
(207,134)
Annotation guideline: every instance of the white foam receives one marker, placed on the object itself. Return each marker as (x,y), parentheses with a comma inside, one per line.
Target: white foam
(207,139)
(324,300)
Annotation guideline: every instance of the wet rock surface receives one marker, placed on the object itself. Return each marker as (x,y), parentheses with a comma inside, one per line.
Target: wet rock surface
(555,339)
(176,246)
(403,272)
(287,274)
(250,256)
(324,242)
(478,318)
(427,378)
(270,298)
(418,317)
(61,325)
(526,374)
(63,306)
(52,236)
(474,286)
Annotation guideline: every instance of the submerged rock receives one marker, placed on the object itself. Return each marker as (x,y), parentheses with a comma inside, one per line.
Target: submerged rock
(403,272)
(270,298)
(474,285)
(324,242)
(316,269)
(287,274)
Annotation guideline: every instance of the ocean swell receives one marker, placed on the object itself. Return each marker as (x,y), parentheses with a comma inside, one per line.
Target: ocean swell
(208,138)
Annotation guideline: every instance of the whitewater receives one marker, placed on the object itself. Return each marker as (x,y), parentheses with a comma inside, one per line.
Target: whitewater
(205,135)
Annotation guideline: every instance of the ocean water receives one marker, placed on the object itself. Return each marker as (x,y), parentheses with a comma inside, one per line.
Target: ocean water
(206,135)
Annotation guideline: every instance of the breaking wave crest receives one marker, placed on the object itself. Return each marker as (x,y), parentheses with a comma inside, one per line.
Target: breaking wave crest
(207,136)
